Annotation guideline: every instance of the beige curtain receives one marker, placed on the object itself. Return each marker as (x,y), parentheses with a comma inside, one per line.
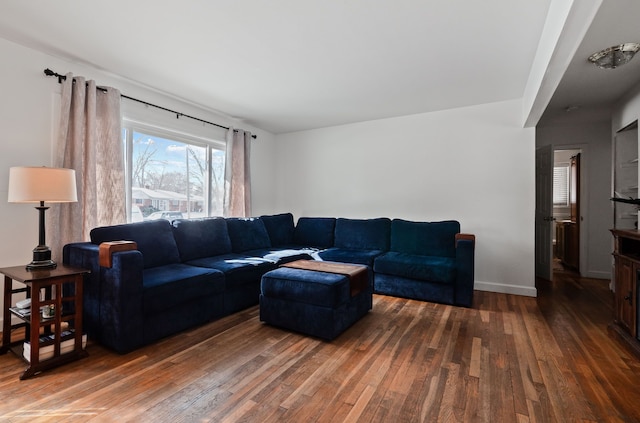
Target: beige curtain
(89,141)
(237,175)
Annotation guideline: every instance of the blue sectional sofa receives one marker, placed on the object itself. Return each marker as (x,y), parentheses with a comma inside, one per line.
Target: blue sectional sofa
(187,272)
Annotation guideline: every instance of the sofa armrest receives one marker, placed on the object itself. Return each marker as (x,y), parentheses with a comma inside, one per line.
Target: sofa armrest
(468,237)
(85,255)
(81,254)
(112,299)
(121,315)
(465,263)
(107,249)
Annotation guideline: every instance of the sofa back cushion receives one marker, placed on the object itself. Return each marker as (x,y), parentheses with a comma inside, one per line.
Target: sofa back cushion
(154,238)
(198,238)
(363,234)
(424,238)
(247,234)
(280,228)
(314,232)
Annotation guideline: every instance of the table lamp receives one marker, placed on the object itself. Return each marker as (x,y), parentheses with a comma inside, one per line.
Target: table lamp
(40,185)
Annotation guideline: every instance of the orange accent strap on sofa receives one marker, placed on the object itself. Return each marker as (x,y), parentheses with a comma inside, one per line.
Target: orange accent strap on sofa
(469,237)
(108,248)
(357,274)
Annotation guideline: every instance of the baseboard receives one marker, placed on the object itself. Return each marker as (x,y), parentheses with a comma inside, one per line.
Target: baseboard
(597,274)
(527,291)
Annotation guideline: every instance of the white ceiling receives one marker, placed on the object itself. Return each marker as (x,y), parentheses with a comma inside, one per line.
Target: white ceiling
(288,65)
(594,91)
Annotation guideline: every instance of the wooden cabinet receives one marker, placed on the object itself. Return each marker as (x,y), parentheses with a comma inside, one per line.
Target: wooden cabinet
(625,295)
(626,276)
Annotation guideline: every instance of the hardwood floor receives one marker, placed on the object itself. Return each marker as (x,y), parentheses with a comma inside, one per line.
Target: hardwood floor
(507,359)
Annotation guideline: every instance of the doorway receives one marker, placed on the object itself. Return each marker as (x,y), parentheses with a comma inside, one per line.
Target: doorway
(546,238)
(567,217)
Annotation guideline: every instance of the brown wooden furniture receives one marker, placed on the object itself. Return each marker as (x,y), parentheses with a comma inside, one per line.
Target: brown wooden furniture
(60,287)
(574,191)
(358,274)
(568,231)
(627,267)
(106,250)
(567,247)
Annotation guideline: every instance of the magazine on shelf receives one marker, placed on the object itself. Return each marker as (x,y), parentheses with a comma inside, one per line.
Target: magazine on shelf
(22,312)
(67,343)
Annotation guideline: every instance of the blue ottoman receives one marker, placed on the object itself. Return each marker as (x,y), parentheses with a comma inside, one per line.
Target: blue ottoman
(317,303)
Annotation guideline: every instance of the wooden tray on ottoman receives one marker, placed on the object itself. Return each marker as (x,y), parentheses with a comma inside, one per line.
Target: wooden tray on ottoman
(357,274)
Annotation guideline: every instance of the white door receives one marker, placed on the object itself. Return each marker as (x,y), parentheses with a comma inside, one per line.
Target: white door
(544,211)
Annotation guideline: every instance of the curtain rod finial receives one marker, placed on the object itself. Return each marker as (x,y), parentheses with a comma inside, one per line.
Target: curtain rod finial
(49,72)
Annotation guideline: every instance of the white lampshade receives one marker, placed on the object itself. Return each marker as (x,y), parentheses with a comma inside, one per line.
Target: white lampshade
(36,184)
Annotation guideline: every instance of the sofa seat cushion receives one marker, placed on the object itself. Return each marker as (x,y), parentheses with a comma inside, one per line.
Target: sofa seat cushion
(238,269)
(173,284)
(348,255)
(305,286)
(427,268)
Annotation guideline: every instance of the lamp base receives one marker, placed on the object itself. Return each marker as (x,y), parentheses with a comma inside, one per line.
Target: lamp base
(41,259)
(41,265)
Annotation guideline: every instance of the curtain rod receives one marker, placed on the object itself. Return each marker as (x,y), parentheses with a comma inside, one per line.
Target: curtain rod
(61,78)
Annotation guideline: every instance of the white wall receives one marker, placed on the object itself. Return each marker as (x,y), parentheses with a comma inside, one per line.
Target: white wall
(473,164)
(626,111)
(25,139)
(594,138)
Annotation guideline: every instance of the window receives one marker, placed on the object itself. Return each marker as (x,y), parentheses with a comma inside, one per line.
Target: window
(561,186)
(172,173)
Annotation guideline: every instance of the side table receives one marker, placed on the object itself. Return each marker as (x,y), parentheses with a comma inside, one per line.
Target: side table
(61,288)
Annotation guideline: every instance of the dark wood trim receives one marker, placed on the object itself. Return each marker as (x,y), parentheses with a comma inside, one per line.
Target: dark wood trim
(107,249)
(468,237)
